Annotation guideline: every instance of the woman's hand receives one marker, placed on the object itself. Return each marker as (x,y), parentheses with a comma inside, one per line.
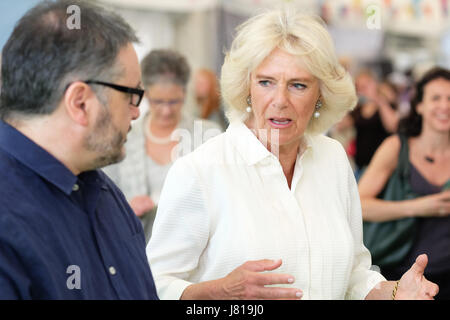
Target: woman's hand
(413,285)
(246,282)
(433,205)
(141,205)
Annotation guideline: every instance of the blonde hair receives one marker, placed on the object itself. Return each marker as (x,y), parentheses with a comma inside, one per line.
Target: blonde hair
(301,35)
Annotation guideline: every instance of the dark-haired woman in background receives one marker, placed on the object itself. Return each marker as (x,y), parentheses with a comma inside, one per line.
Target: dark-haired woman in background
(426,134)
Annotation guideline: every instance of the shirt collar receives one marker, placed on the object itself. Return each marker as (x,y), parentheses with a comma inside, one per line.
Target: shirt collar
(35,158)
(251,149)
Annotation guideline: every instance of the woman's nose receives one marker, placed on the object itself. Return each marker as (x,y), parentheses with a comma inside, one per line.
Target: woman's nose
(280,99)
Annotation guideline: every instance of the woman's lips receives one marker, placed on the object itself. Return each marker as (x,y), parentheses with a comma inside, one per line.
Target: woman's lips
(280,123)
(443,117)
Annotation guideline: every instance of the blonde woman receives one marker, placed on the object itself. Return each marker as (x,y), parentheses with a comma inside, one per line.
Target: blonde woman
(272,193)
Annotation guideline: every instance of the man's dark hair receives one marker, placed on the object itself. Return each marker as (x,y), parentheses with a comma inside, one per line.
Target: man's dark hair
(411,125)
(43,55)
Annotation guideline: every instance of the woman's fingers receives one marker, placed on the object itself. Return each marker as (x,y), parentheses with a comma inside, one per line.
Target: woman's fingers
(264,279)
(433,289)
(250,281)
(413,285)
(262,265)
(276,293)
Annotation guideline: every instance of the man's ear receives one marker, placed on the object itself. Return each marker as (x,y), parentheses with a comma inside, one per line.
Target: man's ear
(78,101)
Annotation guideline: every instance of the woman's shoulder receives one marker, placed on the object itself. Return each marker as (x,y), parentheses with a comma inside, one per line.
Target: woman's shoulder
(203,161)
(387,154)
(209,150)
(209,124)
(391,145)
(326,144)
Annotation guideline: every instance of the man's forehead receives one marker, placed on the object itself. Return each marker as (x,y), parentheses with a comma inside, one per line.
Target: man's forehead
(129,60)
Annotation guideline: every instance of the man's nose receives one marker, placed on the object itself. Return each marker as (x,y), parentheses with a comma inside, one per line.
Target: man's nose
(135,112)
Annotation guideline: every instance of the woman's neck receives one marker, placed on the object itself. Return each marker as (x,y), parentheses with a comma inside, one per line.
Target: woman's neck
(161,130)
(433,142)
(287,155)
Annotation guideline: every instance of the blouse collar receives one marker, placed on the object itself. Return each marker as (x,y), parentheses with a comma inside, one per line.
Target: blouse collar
(252,150)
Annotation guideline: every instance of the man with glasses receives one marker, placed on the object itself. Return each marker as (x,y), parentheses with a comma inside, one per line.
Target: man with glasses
(67,101)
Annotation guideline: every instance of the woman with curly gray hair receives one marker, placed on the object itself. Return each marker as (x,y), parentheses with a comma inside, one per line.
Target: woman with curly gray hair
(162,135)
(272,192)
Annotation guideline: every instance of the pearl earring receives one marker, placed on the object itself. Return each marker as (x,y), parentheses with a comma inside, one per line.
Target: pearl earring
(318,106)
(249,104)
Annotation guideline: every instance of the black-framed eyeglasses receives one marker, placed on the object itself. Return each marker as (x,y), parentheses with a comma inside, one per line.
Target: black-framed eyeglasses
(136,94)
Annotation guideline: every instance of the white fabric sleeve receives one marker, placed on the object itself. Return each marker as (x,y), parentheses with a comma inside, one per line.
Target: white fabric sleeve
(362,279)
(180,231)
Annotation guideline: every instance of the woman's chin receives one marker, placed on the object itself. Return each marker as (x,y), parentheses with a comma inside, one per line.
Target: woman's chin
(166,123)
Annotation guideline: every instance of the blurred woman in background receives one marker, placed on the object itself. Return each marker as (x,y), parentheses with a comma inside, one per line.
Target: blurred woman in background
(374,118)
(155,141)
(424,139)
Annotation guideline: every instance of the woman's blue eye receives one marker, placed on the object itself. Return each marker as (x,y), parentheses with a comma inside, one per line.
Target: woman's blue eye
(298,86)
(264,83)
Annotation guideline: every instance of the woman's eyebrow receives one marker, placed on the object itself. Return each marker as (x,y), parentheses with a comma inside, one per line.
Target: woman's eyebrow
(299,79)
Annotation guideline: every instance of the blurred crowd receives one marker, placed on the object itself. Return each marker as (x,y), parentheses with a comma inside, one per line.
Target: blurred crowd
(383,100)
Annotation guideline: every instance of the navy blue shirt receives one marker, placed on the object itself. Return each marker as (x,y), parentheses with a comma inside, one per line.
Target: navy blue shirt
(64,236)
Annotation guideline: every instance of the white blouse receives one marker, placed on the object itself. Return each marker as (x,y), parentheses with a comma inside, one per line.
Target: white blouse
(228,202)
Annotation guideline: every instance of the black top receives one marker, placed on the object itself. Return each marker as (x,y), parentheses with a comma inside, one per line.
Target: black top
(433,234)
(432,238)
(370,133)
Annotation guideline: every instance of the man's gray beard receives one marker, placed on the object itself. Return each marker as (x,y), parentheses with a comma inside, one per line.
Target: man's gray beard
(109,149)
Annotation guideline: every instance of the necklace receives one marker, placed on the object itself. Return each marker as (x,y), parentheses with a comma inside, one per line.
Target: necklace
(151,137)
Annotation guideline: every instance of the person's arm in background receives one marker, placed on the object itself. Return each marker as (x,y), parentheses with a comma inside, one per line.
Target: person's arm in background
(389,117)
(375,178)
